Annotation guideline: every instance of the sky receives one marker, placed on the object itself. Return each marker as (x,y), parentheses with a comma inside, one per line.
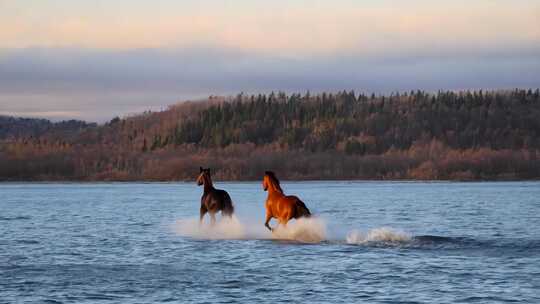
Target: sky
(93,60)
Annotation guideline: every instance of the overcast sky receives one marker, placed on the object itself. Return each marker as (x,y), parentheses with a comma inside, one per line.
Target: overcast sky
(90,59)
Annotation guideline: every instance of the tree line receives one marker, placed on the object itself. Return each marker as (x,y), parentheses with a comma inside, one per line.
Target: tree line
(466,135)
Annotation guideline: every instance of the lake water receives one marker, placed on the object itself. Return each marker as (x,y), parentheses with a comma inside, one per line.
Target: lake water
(373,242)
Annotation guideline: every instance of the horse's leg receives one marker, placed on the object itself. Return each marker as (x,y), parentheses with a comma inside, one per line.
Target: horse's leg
(284,220)
(268,218)
(213,218)
(278,223)
(227,213)
(202,213)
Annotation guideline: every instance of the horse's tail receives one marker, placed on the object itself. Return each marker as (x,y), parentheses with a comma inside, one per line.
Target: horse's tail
(302,210)
(228,207)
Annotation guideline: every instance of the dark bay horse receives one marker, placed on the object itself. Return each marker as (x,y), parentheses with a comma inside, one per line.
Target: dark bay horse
(213,200)
(280,206)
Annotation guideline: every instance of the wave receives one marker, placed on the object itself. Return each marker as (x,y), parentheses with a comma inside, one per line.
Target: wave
(313,230)
(304,230)
(378,235)
(14,218)
(516,245)
(437,240)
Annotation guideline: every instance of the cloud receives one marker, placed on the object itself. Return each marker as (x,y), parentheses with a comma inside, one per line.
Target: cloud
(103,83)
(98,59)
(291,28)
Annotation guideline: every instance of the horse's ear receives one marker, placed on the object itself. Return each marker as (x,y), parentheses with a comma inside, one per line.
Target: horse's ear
(266,172)
(201,169)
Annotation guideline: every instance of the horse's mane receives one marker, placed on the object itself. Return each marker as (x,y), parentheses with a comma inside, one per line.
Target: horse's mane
(206,176)
(274,180)
(208,179)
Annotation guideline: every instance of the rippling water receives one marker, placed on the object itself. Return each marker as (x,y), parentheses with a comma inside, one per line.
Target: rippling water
(375,242)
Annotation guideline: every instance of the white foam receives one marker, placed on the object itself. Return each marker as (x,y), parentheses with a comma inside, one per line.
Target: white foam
(312,230)
(305,230)
(382,234)
(224,228)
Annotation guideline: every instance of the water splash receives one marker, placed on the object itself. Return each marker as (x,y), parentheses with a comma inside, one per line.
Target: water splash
(312,230)
(223,229)
(305,230)
(382,235)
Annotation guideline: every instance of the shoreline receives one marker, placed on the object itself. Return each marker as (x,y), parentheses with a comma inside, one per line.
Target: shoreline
(61,181)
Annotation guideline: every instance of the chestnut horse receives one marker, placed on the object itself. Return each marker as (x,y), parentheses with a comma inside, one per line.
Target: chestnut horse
(213,200)
(280,206)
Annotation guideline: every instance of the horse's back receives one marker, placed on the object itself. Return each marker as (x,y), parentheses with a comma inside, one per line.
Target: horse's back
(218,200)
(299,207)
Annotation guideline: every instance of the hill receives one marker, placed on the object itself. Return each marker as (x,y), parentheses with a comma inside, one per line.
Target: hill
(12,128)
(415,135)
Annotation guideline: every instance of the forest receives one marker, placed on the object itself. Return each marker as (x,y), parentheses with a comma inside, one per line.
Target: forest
(446,135)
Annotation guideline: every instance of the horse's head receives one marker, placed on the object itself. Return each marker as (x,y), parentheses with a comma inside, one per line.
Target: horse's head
(204,174)
(270,179)
(265,181)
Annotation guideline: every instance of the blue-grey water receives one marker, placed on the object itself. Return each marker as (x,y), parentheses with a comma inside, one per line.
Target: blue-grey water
(382,242)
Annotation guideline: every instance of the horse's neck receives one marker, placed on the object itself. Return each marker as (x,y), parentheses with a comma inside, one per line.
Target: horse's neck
(273,191)
(208,186)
